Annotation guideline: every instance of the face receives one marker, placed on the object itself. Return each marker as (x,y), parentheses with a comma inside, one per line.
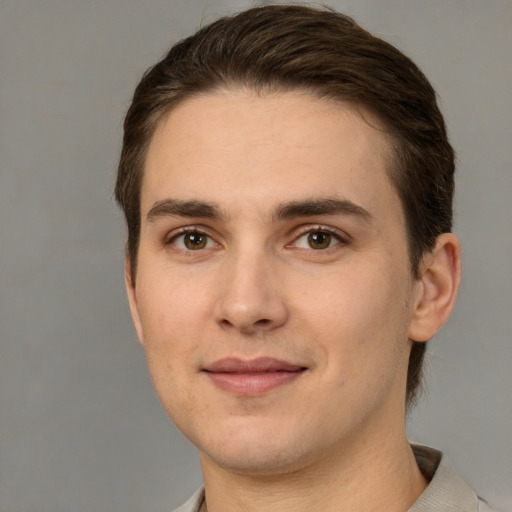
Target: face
(274,295)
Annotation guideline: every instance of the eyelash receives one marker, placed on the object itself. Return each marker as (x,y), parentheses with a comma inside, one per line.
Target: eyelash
(339,237)
(182,232)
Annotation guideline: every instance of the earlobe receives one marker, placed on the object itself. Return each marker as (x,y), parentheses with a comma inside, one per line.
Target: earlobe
(439,283)
(132,299)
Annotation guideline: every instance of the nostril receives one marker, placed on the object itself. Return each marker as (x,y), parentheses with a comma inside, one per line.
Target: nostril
(254,326)
(225,323)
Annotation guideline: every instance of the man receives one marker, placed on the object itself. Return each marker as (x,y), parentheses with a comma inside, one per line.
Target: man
(287,184)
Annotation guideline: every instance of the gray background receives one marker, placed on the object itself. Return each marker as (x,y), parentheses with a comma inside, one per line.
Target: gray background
(80,427)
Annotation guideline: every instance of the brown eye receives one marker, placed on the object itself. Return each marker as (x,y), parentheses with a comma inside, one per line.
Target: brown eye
(195,241)
(319,240)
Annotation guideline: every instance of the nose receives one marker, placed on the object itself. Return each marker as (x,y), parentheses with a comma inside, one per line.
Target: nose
(250,298)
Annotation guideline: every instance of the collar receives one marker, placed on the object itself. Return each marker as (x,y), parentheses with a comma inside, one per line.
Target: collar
(446,492)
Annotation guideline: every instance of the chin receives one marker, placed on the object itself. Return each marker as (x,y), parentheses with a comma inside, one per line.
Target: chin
(259,454)
(256,462)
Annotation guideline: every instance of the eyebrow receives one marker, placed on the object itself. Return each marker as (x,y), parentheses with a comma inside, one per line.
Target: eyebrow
(329,206)
(177,208)
(285,211)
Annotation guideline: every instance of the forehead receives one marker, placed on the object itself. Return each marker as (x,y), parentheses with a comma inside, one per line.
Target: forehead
(240,147)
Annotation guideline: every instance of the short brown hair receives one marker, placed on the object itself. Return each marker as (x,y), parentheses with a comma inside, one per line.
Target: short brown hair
(281,48)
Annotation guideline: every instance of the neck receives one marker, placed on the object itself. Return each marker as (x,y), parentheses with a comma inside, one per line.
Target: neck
(355,477)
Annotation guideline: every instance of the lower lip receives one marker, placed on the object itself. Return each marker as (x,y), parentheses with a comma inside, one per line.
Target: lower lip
(252,384)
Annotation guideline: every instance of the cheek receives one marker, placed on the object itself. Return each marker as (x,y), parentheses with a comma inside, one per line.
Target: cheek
(354,299)
(358,318)
(170,329)
(172,335)
(171,304)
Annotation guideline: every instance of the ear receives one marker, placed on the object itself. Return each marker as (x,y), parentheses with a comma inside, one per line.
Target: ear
(132,299)
(437,290)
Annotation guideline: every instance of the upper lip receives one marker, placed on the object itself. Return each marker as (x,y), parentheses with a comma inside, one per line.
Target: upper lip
(258,365)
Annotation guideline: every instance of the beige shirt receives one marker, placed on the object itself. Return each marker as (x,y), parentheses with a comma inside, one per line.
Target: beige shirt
(446,492)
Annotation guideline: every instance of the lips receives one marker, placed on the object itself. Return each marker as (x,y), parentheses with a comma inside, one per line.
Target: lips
(252,377)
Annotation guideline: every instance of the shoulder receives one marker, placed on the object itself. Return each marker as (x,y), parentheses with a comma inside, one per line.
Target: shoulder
(446,492)
(193,504)
(483,507)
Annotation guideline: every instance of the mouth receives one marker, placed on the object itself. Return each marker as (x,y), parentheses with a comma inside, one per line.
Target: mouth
(252,377)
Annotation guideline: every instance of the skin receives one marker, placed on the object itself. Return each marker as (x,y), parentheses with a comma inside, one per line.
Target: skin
(230,168)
